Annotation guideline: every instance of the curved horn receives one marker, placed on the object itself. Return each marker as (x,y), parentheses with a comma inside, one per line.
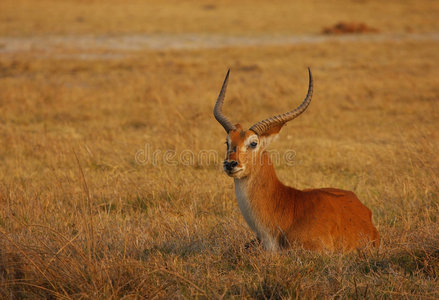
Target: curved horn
(279,120)
(217,110)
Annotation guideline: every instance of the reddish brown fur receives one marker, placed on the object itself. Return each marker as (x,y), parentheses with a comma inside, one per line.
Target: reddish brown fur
(318,219)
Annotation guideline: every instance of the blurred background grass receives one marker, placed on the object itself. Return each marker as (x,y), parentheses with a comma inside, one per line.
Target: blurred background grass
(81,218)
(246,17)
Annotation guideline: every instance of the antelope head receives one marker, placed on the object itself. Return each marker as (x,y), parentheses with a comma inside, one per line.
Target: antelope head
(245,147)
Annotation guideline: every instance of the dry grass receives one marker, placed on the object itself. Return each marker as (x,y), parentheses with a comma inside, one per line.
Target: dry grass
(80,218)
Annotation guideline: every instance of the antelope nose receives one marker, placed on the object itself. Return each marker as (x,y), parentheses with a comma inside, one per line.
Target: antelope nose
(229,165)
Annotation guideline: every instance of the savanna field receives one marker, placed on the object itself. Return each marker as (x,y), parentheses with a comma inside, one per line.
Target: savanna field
(106,107)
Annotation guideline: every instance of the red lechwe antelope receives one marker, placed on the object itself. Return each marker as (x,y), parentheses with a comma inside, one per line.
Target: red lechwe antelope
(317,219)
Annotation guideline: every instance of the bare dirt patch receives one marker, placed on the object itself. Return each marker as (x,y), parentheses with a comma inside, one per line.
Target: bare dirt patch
(349,27)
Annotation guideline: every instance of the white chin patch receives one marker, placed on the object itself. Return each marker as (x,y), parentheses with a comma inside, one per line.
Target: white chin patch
(237,174)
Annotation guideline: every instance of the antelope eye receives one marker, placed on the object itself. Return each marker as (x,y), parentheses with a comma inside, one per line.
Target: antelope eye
(253,144)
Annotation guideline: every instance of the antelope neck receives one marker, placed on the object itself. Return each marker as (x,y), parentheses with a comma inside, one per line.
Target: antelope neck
(262,200)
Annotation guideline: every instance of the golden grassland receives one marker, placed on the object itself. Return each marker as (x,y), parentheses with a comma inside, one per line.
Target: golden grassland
(80,217)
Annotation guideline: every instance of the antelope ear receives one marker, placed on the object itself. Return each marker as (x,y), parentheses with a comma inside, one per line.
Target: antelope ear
(273,130)
(266,140)
(238,126)
(269,136)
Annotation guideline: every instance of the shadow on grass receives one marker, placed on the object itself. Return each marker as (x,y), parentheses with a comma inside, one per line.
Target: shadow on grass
(411,262)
